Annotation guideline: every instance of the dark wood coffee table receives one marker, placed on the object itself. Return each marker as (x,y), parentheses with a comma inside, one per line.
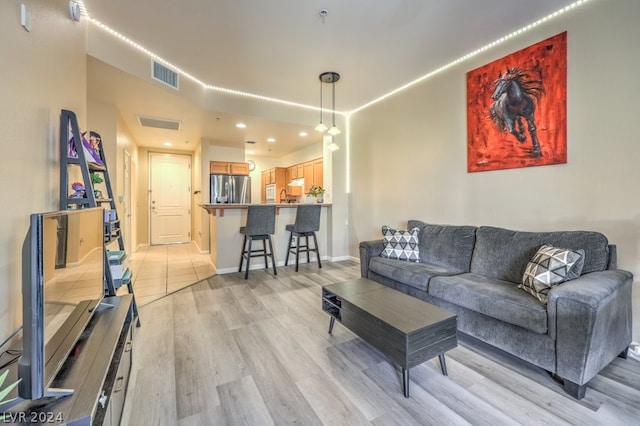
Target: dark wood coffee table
(407,330)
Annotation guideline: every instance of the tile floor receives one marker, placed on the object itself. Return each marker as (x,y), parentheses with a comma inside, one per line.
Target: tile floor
(161,270)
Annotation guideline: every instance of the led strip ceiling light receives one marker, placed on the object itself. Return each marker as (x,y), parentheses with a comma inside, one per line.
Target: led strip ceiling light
(368,104)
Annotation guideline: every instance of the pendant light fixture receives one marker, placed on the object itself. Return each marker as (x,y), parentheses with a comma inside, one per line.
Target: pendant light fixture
(330,143)
(329,77)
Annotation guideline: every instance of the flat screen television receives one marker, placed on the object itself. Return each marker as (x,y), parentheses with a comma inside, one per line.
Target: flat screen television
(62,285)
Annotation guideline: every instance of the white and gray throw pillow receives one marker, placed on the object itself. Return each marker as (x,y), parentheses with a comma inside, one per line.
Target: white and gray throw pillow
(400,244)
(549,267)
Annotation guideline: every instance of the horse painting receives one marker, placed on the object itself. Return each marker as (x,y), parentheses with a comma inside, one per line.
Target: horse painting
(514,99)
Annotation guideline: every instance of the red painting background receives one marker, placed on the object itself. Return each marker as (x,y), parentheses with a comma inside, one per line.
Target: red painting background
(490,149)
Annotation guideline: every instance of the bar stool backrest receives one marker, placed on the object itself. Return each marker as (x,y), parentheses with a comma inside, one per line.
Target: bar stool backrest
(261,220)
(307,218)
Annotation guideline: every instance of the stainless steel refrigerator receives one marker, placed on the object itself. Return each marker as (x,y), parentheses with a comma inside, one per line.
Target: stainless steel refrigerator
(228,189)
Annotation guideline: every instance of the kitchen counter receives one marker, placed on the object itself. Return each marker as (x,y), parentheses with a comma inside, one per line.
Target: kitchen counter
(217,209)
(225,243)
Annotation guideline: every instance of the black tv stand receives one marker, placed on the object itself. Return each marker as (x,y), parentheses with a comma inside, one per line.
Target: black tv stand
(97,372)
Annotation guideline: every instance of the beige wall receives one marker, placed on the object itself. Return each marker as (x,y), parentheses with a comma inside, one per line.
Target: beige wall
(409,152)
(126,143)
(197,199)
(43,72)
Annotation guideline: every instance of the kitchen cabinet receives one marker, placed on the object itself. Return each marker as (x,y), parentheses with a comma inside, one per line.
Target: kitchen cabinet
(311,171)
(318,172)
(228,168)
(275,176)
(265,182)
(239,169)
(296,171)
(307,172)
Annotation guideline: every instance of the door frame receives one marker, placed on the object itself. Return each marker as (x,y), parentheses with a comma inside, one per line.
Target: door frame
(149,195)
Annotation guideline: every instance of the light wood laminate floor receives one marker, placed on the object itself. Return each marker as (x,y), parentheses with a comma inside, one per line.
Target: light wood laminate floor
(232,352)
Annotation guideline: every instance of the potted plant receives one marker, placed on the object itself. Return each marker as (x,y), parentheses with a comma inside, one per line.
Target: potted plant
(317,192)
(6,391)
(96,178)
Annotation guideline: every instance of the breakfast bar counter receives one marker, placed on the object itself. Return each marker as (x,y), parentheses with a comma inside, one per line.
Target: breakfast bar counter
(225,243)
(218,209)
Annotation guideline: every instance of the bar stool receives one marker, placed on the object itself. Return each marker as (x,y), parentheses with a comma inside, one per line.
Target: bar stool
(307,223)
(261,223)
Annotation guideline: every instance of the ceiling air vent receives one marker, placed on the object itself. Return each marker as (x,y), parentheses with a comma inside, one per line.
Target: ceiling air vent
(164,75)
(159,123)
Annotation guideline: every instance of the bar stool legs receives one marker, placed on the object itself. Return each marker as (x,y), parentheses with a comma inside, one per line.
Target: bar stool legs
(260,225)
(249,252)
(305,248)
(306,224)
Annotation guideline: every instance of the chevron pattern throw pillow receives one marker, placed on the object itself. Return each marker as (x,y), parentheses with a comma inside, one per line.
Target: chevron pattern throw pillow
(549,267)
(400,244)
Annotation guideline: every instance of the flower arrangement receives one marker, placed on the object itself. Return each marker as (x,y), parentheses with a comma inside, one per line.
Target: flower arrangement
(316,191)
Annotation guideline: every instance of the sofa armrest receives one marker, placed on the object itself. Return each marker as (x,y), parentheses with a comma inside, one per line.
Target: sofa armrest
(369,249)
(590,319)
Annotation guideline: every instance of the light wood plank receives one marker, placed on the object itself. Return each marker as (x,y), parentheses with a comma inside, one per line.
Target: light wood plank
(331,405)
(421,407)
(466,404)
(286,349)
(242,404)
(286,404)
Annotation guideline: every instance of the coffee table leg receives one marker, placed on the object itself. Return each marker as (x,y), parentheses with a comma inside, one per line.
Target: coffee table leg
(443,365)
(405,382)
(333,320)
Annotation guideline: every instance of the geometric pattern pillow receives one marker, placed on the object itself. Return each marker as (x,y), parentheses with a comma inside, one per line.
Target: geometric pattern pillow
(401,245)
(549,267)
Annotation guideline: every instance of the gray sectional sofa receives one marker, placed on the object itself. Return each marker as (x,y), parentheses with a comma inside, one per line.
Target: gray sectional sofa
(475,271)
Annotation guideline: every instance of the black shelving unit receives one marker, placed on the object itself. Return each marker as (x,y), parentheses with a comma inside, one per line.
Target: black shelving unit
(72,154)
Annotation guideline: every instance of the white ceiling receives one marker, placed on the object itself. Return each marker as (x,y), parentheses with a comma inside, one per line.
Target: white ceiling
(278,48)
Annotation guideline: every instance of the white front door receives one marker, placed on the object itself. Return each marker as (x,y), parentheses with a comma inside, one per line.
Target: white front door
(170,198)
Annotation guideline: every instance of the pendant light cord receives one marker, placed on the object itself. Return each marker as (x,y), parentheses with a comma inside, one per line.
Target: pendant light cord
(333,97)
(320,100)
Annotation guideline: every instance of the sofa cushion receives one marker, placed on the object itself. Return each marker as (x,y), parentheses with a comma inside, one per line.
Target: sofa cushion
(551,266)
(415,275)
(400,244)
(494,298)
(504,254)
(448,246)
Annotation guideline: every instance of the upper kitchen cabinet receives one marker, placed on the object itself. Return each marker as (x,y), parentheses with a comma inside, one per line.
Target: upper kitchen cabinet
(308,176)
(318,172)
(296,171)
(274,185)
(228,168)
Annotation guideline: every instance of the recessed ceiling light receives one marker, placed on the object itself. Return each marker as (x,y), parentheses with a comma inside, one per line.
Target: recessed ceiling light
(303,133)
(250,152)
(241,126)
(271,140)
(167,144)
